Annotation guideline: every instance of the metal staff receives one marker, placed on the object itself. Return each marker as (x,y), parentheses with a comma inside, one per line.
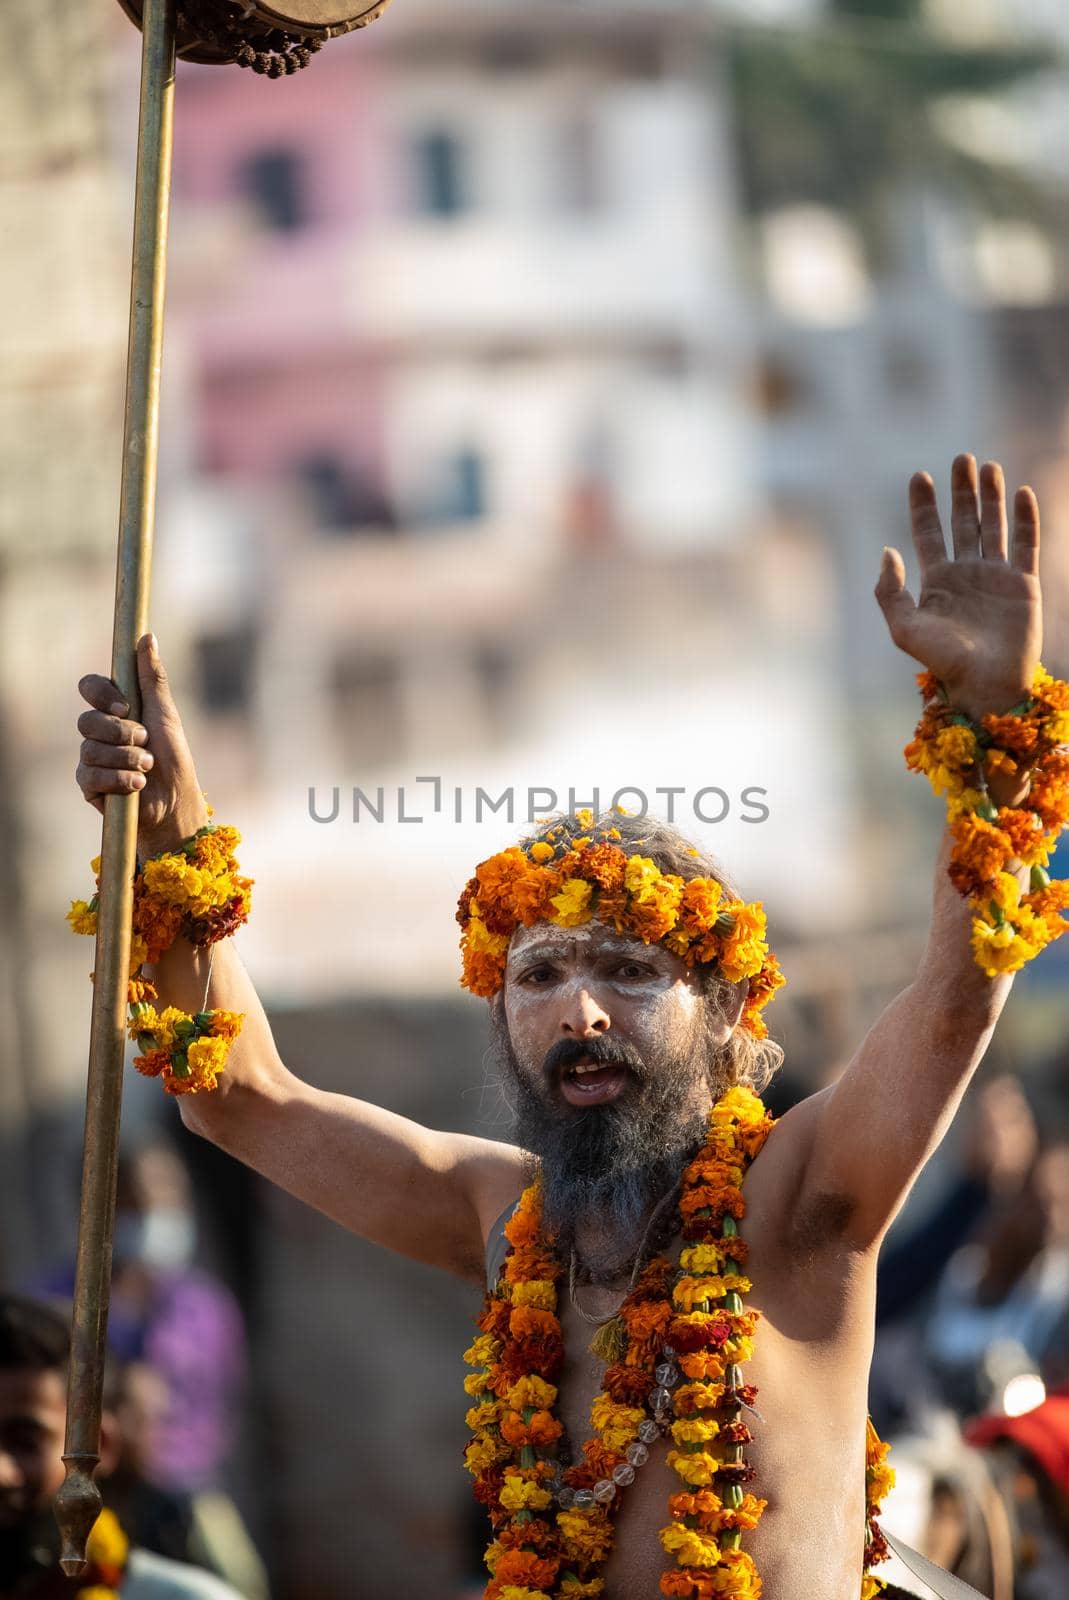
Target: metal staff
(273,41)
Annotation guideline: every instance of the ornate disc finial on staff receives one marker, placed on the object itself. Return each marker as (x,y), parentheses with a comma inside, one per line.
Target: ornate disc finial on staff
(273,40)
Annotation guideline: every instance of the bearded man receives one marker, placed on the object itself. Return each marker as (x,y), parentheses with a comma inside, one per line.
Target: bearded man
(616,1048)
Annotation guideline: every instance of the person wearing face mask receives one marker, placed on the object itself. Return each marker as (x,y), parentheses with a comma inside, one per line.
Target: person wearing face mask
(170,1315)
(177,1337)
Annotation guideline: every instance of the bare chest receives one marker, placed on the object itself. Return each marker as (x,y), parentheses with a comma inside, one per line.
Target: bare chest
(810,1366)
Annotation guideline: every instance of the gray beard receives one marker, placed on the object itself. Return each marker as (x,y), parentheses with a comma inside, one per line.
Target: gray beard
(605,1169)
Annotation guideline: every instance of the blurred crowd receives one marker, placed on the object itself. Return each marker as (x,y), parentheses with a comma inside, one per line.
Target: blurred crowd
(175,1386)
(970,1379)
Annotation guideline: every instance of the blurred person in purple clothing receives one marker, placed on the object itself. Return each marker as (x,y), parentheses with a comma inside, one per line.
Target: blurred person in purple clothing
(176,1319)
(178,1334)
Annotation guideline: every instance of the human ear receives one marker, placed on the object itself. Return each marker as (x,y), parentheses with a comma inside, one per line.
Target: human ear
(726,1006)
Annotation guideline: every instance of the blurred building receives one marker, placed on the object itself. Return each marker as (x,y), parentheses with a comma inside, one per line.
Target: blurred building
(63,289)
(461,326)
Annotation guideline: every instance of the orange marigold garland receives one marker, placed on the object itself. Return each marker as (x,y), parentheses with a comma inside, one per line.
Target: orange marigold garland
(570,884)
(958,757)
(198,893)
(687,1336)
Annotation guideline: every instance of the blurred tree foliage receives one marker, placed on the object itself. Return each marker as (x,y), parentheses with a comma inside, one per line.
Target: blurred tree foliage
(839,113)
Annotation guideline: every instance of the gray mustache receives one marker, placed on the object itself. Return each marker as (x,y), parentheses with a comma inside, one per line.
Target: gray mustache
(607,1053)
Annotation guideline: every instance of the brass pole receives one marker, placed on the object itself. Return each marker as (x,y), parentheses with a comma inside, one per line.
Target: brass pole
(78,1502)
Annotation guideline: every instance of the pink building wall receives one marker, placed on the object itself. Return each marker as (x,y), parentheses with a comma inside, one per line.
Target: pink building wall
(283,362)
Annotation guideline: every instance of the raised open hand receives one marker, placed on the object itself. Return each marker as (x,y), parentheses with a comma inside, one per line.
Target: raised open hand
(978,625)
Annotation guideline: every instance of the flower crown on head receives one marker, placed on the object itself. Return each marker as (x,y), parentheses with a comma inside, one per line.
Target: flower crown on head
(569,881)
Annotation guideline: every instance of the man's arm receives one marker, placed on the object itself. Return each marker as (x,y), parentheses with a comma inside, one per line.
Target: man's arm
(429,1195)
(891,1108)
(978,628)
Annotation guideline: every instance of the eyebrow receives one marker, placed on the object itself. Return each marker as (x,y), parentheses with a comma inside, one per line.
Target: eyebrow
(550,952)
(538,952)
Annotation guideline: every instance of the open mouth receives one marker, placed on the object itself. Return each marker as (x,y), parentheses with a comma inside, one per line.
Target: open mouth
(587,1083)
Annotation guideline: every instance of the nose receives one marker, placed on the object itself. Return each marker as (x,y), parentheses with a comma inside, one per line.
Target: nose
(584,1017)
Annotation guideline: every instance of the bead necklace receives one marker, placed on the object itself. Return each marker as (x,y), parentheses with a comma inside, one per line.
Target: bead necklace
(678,1374)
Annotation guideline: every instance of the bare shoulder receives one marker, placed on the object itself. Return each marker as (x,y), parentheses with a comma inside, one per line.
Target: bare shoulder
(492,1173)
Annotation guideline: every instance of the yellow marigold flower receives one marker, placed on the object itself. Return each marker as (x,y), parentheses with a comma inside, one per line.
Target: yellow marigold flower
(744,949)
(702,1258)
(955,747)
(690,1546)
(591,1590)
(173,880)
(161,1025)
(879,1477)
(1006,893)
(959,804)
(607,1413)
(531,1393)
(207,1057)
(107,1544)
(519,1495)
(486,1452)
(572,903)
(541,851)
(475,1383)
(740,1577)
(509,1591)
(690,1292)
(482,941)
(144,1020)
(704,1395)
(1000,761)
(227,1024)
(81,919)
(652,912)
(540,1292)
(739,1104)
(484,1350)
(585,818)
(493,1553)
(703,899)
(586,1535)
(697,1469)
(640,874)
(740,1349)
(999,950)
(944,780)
(694,1430)
(483,1415)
